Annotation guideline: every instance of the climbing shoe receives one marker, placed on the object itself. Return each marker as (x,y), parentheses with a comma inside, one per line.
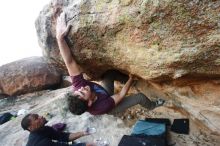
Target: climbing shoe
(159,102)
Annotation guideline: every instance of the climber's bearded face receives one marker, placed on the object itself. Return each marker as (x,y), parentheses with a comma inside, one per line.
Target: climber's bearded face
(84,93)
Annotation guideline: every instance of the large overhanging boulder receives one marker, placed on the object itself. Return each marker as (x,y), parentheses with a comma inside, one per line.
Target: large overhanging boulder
(174,42)
(153,39)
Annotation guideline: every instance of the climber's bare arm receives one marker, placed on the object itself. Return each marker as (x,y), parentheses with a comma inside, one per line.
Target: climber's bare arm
(61,31)
(119,96)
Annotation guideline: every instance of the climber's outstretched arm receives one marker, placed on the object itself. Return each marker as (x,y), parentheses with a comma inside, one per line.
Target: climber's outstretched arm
(61,31)
(119,96)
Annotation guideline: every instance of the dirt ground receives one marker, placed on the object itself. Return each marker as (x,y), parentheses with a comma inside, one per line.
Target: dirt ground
(198,136)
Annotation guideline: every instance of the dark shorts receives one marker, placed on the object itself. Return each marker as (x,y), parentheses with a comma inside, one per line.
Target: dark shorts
(79,144)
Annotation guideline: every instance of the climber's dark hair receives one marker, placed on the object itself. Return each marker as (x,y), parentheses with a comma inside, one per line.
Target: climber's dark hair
(75,105)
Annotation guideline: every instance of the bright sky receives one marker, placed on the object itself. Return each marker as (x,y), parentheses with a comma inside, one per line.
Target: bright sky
(18,38)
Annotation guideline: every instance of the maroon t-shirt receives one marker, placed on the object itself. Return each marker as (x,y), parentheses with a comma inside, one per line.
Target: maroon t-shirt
(104,103)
